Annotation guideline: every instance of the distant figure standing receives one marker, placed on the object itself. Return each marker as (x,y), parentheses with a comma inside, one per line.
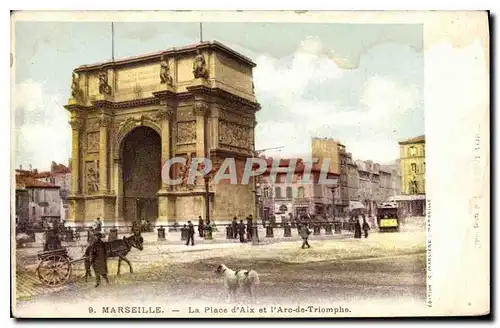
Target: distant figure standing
(234,227)
(357,229)
(99,259)
(98,225)
(304,233)
(201,226)
(366,227)
(241,231)
(249,226)
(190,234)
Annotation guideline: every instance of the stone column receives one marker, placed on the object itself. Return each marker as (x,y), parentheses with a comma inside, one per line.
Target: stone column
(201,111)
(165,114)
(165,201)
(118,190)
(76,126)
(103,153)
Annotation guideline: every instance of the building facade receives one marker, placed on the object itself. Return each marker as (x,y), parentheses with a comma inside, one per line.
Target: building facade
(297,197)
(412,166)
(412,161)
(44,203)
(131,115)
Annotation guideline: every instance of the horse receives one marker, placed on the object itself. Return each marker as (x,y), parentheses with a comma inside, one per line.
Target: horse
(116,248)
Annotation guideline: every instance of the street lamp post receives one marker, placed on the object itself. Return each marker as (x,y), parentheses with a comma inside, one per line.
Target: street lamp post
(207,199)
(333,201)
(255,230)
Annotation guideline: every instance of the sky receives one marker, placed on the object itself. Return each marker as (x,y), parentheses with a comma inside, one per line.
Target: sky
(362,84)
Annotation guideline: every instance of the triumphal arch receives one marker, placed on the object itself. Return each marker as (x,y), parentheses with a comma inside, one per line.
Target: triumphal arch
(129,116)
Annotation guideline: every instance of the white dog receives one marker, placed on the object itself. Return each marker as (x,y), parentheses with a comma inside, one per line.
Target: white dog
(246,279)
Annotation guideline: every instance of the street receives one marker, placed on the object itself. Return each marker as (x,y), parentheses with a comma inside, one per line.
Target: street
(336,271)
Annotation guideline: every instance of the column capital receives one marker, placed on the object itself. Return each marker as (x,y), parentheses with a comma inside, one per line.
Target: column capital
(104,121)
(165,112)
(76,124)
(201,108)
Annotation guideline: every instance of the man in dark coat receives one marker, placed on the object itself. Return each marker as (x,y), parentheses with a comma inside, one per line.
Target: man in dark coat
(234,226)
(357,229)
(99,259)
(190,234)
(241,231)
(249,227)
(201,226)
(304,234)
(366,227)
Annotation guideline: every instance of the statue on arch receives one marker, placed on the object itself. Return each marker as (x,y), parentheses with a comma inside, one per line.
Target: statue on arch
(165,77)
(76,92)
(104,88)
(200,66)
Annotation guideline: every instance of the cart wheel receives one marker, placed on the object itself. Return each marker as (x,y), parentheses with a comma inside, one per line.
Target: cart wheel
(54,270)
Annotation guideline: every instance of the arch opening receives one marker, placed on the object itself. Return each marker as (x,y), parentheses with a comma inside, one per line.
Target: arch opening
(141,174)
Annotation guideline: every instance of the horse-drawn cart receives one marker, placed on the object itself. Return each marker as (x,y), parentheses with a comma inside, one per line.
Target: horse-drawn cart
(55,267)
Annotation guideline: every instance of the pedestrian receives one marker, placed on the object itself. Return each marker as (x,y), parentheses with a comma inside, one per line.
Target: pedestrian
(190,234)
(234,226)
(201,226)
(98,225)
(241,231)
(249,227)
(99,259)
(357,229)
(366,227)
(304,233)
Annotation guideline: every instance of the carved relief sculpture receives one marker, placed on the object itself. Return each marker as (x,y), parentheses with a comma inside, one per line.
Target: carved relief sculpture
(92,178)
(93,142)
(186,132)
(104,88)
(184,174)
(76,92)
(235,135)
(165,77)
(200,66)
(138,91)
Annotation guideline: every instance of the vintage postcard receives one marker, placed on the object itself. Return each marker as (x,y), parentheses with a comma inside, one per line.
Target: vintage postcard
(250,164)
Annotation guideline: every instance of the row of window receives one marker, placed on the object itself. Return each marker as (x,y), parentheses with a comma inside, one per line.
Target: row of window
(289,192)
(413,151)
(414,168)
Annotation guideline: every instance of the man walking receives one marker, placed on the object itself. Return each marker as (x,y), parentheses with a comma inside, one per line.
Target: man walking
(304,233)
(99,259)
(234,226)
(201,226)
(241,231)
(190,234)
(249,227)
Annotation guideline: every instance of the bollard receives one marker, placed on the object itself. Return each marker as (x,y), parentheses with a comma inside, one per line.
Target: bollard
(208,233)
(328,228)
(338,228)
(69,235)
(184,233)
(288,230)
(269,232)
(229,232)
(317,230)
(173,228)
(113,234)
(161,233)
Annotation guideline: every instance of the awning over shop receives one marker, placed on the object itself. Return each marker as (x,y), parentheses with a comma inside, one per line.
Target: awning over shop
(406,198)
(355,205)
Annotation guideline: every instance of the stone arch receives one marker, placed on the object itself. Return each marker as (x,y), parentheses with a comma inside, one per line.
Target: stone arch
(128,126)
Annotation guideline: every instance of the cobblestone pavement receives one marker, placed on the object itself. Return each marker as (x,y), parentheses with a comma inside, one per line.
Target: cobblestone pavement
(181,285)
(163,263)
